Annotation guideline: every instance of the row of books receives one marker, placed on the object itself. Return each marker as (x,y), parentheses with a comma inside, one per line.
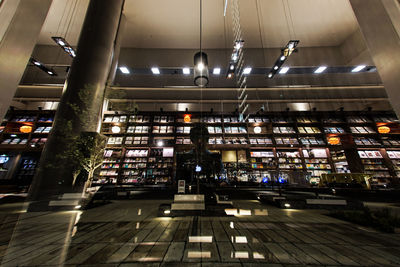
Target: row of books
(366,142)
(372,154)
(261,141)
(333,130)
(308,130)
(131,153)
(43,129)
(283,130)
(306,120)
(128,160)
(357,119)
(311,141)
(23,118)
(360,129)
(15,141)
(391,142)
(137,140)
(138,129)
(163,129)
(286,141)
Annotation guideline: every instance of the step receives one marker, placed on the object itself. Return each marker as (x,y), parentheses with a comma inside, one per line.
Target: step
(188,206)
(188,198)
(326,202)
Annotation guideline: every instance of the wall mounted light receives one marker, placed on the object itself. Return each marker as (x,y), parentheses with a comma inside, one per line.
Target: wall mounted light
(115,129)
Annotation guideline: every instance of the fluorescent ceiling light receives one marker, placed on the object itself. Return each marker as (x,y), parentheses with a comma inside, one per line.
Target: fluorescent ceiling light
(155,70)
(186,71)
(320,69)
(217,71)
(358,68)
(247,71)
(124,70)
(284,70)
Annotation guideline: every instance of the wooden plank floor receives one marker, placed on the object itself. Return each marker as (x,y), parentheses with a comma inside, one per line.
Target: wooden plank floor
(129,233)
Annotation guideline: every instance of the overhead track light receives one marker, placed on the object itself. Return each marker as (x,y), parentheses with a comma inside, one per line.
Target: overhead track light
(65,46)
(41,66)
(285,53)
(235,57)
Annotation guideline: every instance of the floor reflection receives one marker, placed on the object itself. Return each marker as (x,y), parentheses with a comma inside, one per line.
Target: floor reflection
(130,232)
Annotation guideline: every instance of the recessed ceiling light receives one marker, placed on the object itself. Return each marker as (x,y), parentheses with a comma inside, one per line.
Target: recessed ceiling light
(320,69)
(247,70)
(276,67)
(155,70)
(186,71)
(124,70)
(284,70)
(217,71)
(358,68)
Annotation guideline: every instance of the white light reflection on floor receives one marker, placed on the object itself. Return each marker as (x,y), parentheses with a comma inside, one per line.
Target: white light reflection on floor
(199,254)
(139,212)
(244,212)
(239,239)
(258,256)
(261,212)
(240,254)
(200,239)
(137,225)
(231,225)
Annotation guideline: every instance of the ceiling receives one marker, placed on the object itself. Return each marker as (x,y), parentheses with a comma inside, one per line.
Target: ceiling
(175,23)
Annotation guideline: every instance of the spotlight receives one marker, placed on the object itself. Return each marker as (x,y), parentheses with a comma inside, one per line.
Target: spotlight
(167,211)
(65,46)
(284,70)
(358,68)
(124,70)
(247,71)
(257,129)
(160,143)
(217,71)
(320,69)
(155,70)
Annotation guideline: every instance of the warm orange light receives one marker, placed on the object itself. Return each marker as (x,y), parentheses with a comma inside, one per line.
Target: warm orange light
(25,129)
(187,118)
(334,140)
(383,129)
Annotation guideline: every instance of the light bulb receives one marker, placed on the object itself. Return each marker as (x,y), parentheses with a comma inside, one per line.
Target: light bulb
(200,66)
(257,129)
(115,129)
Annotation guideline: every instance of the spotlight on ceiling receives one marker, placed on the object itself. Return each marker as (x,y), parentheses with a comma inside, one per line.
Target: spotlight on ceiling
(65,46)
(200,69)
(124,70)
(41,66)
(285,53)
(320,69)
(358,68)
(186,71)
(217,71)
(284,70)
(247,71)
(155,70)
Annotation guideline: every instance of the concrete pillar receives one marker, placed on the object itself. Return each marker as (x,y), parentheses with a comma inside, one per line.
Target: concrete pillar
(20,24)
(379,22)
(81,103)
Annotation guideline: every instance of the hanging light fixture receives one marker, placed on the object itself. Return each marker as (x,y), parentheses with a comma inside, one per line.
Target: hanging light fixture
(200,61)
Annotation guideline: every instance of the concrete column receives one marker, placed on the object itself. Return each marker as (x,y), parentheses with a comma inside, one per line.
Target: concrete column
(81,102)
(20,24)
(379,22)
